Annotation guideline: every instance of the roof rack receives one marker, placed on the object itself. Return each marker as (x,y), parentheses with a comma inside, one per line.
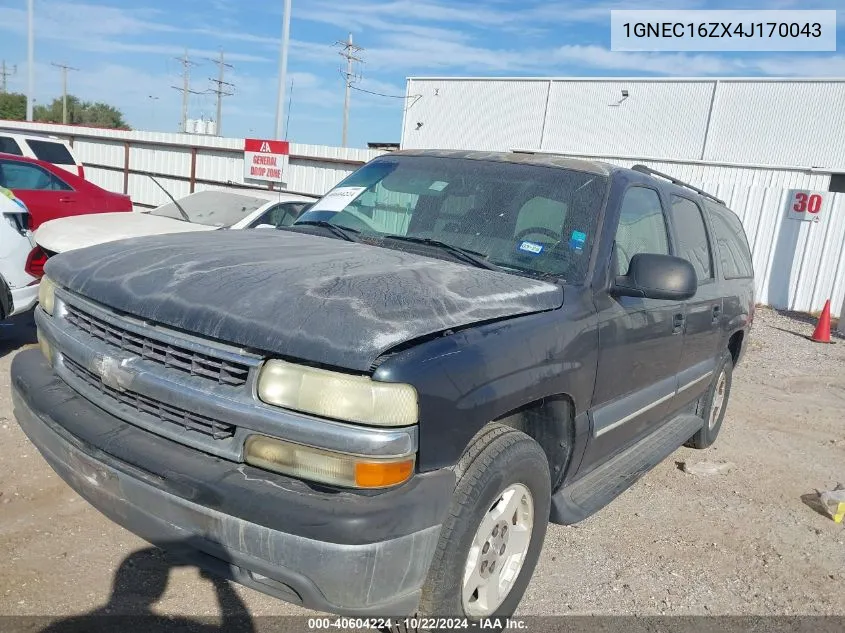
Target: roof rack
(653,172)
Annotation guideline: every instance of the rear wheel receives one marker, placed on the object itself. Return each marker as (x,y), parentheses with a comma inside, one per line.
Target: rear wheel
(493,534)
(713,404)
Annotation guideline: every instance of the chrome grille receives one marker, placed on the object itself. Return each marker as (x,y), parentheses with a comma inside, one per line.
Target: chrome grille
(163,412)
(179,358)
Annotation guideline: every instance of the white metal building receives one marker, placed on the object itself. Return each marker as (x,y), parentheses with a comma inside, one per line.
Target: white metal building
(774,132)
(754,142)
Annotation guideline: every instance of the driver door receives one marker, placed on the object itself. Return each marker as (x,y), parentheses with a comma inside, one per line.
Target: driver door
(640,340)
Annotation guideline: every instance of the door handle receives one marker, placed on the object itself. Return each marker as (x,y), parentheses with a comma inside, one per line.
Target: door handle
(678,323)
(65,199)
(717,311)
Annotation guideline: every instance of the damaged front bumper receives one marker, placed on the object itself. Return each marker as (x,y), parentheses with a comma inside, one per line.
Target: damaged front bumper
(342,552)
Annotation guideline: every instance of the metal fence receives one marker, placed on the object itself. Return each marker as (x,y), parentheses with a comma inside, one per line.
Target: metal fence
(183,163)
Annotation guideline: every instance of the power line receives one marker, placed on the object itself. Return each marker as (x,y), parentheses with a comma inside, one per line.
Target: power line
(348,52)
(64,68)
(186,87)
(6,73)
(221,89)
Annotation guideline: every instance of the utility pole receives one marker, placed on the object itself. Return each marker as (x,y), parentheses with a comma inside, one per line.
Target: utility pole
(30,58)
(64,68)
(5,73)
(220,90)
(283,69)
(186,87)
(348,53)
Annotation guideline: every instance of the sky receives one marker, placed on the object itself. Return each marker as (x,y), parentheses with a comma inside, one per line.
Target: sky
(125,52)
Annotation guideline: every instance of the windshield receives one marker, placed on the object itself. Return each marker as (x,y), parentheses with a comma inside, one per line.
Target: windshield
(212,208)
(524,218)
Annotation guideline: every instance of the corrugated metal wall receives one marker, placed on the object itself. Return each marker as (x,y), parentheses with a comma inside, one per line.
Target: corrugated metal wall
(794,122)
(120,161)
(450,115)
(588,117)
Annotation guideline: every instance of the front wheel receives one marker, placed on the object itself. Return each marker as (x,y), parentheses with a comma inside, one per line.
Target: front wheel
(492,537)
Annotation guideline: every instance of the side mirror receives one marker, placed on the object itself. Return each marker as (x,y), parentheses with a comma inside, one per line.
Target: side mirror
(657,277)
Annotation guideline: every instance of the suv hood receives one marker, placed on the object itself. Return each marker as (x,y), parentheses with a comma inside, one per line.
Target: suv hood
(295,295)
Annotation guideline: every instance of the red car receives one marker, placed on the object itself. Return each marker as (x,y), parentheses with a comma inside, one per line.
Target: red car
(51,192)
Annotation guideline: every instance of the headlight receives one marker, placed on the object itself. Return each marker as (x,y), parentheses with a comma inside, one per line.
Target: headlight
(334,395)
(47,295)
(326,466)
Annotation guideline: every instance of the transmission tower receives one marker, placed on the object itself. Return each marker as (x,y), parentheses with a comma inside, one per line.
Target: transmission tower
(6,73)
(64,68)
(222,89)
(186,87)
(348,52)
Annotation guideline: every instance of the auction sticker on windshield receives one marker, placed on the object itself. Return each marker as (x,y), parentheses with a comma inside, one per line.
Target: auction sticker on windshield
(338,199)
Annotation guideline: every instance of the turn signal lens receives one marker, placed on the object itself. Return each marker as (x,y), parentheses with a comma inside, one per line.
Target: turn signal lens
(382,474)
(327,467)
(46,349)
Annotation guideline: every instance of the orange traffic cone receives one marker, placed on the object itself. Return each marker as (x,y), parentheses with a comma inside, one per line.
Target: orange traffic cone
(822,333)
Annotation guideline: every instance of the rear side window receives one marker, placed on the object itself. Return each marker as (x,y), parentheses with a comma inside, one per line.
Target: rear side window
(693,244)
(51,152)
(731,243)
(642,227)
(8,145)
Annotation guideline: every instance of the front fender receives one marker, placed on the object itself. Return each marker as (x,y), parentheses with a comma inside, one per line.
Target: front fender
(469,378)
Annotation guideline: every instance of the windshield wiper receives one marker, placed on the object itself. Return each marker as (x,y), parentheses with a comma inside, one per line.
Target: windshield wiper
(178,206)
(472,257)
(343,232)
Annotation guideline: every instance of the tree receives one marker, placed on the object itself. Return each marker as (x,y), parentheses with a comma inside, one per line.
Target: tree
(97,114)
(12,106)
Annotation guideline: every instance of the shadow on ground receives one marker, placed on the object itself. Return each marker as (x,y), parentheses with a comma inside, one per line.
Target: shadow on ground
(138,585)
(17,332)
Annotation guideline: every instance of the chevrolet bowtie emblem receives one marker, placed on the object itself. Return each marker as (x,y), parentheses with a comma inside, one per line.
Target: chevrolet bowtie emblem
(114,373)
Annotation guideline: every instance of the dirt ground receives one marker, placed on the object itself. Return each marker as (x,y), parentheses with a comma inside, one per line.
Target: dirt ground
(746,541)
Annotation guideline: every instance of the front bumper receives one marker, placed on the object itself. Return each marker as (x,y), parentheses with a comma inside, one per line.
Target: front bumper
(342,552)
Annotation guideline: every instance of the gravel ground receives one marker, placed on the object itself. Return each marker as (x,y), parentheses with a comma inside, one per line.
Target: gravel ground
(747,541)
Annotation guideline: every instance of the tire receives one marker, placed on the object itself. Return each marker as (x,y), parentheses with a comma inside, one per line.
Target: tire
(502,471)
(717,395)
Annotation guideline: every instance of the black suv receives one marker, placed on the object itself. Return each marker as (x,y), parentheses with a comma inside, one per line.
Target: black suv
(379,409)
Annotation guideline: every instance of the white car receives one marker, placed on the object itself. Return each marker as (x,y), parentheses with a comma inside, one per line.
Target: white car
(44,147)
(201,211)
(18,289)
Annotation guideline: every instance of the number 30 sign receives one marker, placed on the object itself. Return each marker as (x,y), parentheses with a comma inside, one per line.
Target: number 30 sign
(805,205)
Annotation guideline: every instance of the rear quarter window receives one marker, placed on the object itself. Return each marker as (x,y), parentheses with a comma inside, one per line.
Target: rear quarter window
(731,243)
(51,152)
(8,145)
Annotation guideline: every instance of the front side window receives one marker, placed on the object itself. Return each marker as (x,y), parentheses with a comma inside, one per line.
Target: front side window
(526,219)
(14,175)
(693,244)
(642,227)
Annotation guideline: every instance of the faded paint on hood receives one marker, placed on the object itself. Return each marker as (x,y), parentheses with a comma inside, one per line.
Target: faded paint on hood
(79,231)
(295,295)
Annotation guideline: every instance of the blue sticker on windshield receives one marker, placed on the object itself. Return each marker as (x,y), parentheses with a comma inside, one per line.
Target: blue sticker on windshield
(533,248)
(577,240)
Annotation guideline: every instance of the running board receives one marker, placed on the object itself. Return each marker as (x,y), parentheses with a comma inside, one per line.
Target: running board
(589,494)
